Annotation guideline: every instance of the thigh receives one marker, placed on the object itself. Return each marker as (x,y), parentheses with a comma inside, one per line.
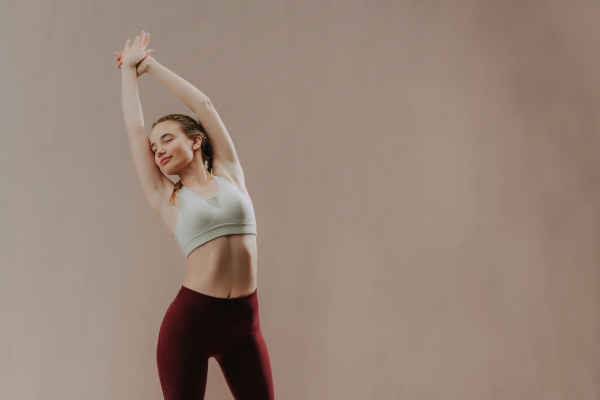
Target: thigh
(247,368)
(182,366)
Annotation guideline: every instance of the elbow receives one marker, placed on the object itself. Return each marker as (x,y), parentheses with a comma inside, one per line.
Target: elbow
(202,104)
(136,129)
(134,125)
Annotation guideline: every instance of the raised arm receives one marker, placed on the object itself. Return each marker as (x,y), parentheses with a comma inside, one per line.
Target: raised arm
(130,99)
(224,154)
(156,185)
(131,56)
(192,97)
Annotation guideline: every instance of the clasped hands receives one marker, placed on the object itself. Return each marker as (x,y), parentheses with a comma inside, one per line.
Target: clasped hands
(136,55)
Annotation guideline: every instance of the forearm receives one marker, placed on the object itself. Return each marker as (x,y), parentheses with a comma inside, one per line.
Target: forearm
(130,99)
(192,97)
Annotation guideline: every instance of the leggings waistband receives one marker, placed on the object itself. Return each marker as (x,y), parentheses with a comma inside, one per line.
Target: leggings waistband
(216,309)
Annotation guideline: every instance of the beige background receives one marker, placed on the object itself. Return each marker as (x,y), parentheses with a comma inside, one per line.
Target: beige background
(425,175)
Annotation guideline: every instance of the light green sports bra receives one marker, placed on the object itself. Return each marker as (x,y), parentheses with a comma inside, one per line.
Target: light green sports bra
(200,219)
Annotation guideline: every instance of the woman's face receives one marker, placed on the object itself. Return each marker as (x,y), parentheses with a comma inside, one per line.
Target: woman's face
(172,149)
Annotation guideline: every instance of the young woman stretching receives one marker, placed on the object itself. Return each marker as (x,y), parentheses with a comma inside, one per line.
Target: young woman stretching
(210,215)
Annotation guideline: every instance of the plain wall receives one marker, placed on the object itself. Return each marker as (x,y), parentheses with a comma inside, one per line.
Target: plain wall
(425,176)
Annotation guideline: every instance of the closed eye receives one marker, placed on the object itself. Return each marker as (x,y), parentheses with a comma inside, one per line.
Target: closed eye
(154,152)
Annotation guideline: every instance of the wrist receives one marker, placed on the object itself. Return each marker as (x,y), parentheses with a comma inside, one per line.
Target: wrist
(152,63)
(127,68)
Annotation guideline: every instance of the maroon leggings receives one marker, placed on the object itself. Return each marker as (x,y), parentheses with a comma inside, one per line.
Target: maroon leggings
(198,326)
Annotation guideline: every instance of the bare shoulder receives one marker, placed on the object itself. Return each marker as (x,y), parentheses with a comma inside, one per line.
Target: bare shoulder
(233,173)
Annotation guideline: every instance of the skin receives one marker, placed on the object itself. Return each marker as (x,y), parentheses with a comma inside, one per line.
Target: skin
(226,266)
(136,54)
(186,159)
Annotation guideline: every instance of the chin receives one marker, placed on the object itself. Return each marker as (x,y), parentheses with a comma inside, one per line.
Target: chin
(163,166)
(168,170)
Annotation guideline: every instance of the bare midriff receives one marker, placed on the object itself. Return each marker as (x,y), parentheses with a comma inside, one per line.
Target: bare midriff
(224,267)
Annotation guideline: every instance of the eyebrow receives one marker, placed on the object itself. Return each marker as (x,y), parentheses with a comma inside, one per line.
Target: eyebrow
(168,133)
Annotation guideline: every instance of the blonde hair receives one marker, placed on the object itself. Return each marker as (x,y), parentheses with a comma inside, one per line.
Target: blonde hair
(191,128)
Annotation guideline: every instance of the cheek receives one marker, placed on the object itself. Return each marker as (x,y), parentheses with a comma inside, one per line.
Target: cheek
(179,153)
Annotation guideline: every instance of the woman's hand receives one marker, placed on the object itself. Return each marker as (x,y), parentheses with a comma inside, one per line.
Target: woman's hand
(134,55)
(141,68)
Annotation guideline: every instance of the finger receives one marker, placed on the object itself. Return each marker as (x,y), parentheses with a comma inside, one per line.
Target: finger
(126,45)
(146,38)
(142,41)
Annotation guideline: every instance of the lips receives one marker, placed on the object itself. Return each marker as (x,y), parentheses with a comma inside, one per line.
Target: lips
(165,160)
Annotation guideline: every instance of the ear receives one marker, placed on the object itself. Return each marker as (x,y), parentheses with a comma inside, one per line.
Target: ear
(197,142)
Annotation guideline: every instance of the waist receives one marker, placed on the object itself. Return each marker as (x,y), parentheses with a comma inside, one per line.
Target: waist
(200,306)
(225,266)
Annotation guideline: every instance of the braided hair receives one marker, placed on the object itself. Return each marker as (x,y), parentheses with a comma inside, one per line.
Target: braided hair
(178,186)
(191,128)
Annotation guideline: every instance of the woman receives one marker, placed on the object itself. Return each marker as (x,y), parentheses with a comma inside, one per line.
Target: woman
(210,215)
